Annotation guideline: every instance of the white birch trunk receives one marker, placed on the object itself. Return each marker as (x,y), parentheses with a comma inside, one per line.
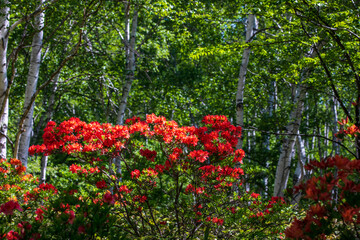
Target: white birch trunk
(299,171)
(326,134)
(4,104)
(130,45)
(283,167)
(32,80)
(284,163)
(251,26)
(336,147)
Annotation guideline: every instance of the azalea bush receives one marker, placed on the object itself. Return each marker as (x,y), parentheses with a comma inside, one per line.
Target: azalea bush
(332,194)
(146,179)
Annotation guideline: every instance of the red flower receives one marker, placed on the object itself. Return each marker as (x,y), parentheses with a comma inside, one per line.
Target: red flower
(138,198)
(71,214)
(132,120)
(255,195)
(72,148)
(12,235)
(9,207)
(124,188)
(199,155)
(74,168)
(39,215)
(152,118)
(189,188)
(150,155)
(135,174)
(160,168)
(109,198)
(47,187)
(239,155)
(101,184)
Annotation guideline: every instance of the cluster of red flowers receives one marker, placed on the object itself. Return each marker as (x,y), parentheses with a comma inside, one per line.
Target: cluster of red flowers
(197,158)
(325,209)
(74,168)
(274,201)
(150,155)
(9,207)
(13,163)
(74,136)
(351,130)
(216,220)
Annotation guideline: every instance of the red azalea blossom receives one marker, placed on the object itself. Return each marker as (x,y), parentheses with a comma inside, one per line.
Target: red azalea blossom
(255,195)
(109,198)
(140,199)
(101,184)
(71,214)
(9,207)
(135,174)
(124,188)
(39,215)
(199,155)
(12,235)
(48,187)
(150,155)
(239,155)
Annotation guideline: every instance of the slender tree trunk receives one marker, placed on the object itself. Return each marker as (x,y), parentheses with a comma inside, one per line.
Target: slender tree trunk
(336,147)
(130,46)
(284,163)
(32,79)
(251,26)
(326,134)
(4,104)
(283,167)
(299,171)
(250,29)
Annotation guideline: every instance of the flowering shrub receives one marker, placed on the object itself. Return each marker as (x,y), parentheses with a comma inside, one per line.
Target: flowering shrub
(328,216)
(333,195)
(175,182)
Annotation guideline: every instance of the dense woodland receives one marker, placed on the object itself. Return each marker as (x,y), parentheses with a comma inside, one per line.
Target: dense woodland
(285,71)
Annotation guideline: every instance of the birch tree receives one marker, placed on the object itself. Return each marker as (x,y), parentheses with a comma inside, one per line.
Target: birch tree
(250,30)
(299,171)
(283,167)
(130,47)
(31,84)
(4,37)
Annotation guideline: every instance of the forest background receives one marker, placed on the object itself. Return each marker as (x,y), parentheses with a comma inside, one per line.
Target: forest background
(285,71)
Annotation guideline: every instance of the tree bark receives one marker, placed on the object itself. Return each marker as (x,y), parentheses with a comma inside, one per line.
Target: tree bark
(284,163)
(4,37)
(336,147)
(130,45)
(299,171)
(250,30)
(283,167)
(32,80)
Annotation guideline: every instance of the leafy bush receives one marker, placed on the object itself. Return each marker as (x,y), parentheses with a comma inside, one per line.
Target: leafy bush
(333,197)
(172,182)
